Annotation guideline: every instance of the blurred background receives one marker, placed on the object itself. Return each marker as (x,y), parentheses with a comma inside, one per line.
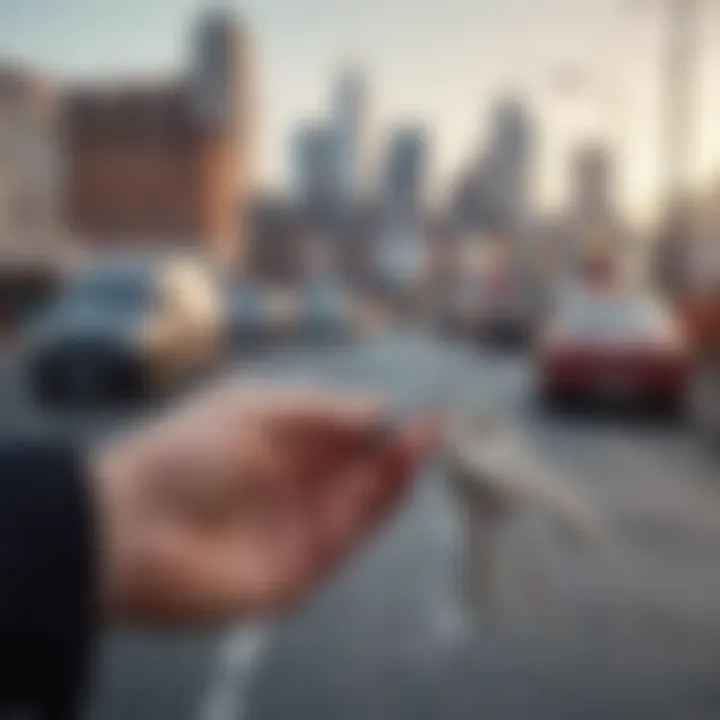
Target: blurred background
(506,208)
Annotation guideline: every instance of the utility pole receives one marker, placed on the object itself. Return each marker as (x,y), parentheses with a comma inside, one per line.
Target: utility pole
(679,79)
(681,73)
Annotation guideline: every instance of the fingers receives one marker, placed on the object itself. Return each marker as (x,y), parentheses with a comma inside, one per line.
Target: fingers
(320,432)
(271,555)
(320,413)
(370,490)
(294,404)
(395,467)
(317,532)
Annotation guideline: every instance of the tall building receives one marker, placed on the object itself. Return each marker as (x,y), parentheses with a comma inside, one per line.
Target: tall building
(592,181)
(593,222)
(274,252)
(165,166)
(467,200)
(30,165)
(406,171)
(218,76)
(329,156)
(313,168)
(349,123)
(507,167)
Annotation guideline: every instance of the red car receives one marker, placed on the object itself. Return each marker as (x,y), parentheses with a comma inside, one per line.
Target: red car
(614,347)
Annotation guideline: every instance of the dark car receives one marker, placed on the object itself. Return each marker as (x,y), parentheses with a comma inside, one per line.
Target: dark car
(325,312)
(701,312)
(499,308)
(125,329)
(508,308)
(704,400)
(24,292)
(249,316)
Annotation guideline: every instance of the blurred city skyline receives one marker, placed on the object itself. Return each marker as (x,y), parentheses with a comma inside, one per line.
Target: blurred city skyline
(588,70)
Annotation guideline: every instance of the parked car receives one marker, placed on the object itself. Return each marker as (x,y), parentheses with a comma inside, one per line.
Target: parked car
(500,307)
(249,316)
(509,308)
(325,313)
(25,290)
(283,305)
(459,309)
(126,328)
(705,399)
(701,312)
(614,346)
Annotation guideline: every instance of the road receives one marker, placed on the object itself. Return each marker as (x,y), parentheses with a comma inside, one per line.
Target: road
(627,627)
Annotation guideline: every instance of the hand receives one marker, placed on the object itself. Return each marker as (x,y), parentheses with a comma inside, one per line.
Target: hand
(243,500)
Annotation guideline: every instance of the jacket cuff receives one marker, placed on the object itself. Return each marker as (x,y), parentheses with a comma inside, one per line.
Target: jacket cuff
(48,603)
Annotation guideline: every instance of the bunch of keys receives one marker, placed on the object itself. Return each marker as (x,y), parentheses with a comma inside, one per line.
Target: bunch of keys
(517,519)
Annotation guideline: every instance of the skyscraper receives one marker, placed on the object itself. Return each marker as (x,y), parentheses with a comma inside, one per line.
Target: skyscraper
(591,198)
(594,224)
(219,74)
(313,166)
(405,172)
(507,167)
(349,123)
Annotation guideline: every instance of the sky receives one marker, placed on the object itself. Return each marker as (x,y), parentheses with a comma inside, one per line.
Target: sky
(440,62)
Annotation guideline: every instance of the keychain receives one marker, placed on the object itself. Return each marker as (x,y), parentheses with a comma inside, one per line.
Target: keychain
(517,518)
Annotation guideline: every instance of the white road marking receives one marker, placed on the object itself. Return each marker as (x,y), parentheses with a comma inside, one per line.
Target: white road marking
(239,657)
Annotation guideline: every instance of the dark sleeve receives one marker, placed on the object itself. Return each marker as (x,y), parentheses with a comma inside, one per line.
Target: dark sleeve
(47,579)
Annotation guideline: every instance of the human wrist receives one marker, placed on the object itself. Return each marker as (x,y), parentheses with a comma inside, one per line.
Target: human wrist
(112,478)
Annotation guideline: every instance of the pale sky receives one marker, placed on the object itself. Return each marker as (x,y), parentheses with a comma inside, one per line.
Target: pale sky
(438,61)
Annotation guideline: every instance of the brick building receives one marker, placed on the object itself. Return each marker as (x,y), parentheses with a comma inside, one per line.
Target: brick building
(164,166)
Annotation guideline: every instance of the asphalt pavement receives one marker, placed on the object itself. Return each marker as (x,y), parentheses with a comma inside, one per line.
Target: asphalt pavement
(627,627)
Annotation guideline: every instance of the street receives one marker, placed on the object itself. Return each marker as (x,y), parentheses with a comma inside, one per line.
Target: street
(632,624)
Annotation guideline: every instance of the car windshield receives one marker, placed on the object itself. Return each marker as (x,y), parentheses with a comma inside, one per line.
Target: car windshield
(324,297)
(615,316)
(117,292)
